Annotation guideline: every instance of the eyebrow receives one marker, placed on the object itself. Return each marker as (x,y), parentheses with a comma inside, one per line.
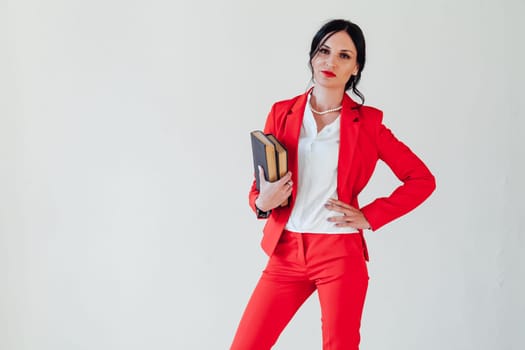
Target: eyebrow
(343,50)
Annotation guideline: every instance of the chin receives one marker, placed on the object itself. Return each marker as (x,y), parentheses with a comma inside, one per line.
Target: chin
(330,84)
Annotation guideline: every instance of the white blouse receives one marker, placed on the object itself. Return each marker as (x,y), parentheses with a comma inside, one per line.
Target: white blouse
(317,181)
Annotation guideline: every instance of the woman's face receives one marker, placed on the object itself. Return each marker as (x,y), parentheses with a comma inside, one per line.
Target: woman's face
(335,61)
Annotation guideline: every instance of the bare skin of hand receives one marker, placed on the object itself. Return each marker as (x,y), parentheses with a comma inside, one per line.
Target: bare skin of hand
(352,217)
(272,194)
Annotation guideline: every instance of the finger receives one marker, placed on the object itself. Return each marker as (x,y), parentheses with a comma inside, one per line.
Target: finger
(348,211)
(287,177)
(337,220)
(338,209)
(262,178)
(288,184)
(287,192)
(342,204)
(346,217)
(345,222)
(340,219)
(348,224)
(339,203)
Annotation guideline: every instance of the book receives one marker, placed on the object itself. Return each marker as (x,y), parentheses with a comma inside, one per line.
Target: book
(264,155)
(271,155)
(282,160)
(281,155)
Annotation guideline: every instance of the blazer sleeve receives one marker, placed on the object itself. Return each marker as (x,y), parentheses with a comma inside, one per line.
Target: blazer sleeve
(268,128)
(418,181)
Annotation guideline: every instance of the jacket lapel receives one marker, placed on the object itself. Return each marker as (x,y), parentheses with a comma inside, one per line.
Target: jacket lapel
(349,132)
(292,131)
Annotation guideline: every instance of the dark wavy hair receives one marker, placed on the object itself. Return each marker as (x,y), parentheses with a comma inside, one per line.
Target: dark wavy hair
(353,30)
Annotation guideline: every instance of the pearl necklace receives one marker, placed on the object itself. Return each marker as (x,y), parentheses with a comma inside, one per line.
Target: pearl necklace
(327,111)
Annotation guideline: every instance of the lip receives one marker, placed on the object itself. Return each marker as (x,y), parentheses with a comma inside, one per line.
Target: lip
(328,74)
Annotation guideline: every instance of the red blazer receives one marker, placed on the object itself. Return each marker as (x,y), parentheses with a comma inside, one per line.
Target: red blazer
(363,141)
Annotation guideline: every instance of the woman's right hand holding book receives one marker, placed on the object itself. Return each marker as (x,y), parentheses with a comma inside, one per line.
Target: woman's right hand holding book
(272,194)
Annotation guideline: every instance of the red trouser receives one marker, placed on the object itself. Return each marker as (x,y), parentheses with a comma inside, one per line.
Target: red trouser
(334,264)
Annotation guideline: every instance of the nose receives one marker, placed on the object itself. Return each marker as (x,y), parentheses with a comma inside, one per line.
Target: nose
(330,60)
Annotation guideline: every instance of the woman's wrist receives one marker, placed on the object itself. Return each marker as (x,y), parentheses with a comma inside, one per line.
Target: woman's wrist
(261,214)
(261,206)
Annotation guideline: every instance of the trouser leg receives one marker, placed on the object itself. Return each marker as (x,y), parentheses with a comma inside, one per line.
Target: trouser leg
(281,290)
(342,291)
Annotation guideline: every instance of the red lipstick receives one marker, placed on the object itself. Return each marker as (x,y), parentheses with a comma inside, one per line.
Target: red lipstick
(328,73)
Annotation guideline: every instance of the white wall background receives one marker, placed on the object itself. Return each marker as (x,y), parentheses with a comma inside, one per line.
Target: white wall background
(125,165)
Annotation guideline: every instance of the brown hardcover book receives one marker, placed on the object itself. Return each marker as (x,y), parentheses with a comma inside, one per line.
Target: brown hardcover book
(282,159)
(269,153)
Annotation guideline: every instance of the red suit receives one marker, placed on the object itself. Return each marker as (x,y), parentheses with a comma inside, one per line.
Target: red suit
(363,141)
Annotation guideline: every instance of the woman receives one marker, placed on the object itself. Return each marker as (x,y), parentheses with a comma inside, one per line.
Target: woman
(317,242)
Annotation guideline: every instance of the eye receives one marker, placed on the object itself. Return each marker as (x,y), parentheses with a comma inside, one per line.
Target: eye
(345,56)
(324,51)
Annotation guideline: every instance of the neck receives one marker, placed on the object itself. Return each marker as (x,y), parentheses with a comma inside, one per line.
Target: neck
(324,99)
